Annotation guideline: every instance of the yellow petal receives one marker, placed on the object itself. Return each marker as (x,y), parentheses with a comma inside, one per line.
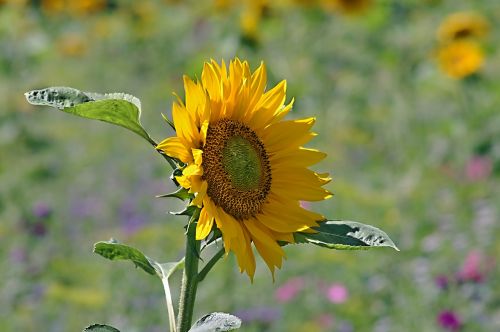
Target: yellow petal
(184,181)
(300,157)
(196,100)
(306,184)
(185,125)
(174,147)
(204,225)
(197,156)
(285,237)
(211,81)
(286,216)
(246,258)
(200,194)
(213,211)
(268,106)
(287,135)
(266,245)
(192,169)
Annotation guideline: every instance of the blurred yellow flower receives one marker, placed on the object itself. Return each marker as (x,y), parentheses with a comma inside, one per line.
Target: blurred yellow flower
(75,7)
(246,166)
(223,5)
(249,23)
(347,7)
(19,3)
(461,58)
(251,19)
(72,45)
(462,25)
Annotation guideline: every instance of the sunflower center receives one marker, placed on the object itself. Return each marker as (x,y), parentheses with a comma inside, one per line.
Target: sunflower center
(236,168)
(241,163)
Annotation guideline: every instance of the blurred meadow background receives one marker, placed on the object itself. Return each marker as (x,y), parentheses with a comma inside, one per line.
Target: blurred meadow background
(406,95)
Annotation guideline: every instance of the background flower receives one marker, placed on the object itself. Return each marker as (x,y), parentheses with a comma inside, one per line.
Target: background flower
(449,320)
(289,290)
(337,293)
(462,25)
(460,59)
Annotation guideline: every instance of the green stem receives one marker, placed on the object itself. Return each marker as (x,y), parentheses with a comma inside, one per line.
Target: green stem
(203,273)
(189,280)
(170,306)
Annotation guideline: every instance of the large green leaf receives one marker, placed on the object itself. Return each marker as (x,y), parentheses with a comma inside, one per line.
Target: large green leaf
(116,251)
(217,321)
(100,328)
(117,108)
(350,235)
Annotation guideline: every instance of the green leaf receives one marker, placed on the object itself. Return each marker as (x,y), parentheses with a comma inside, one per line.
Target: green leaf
(190,210)
(168,121)
(116,108)
(181,193)
(217,321)
(116,251)
(100,328)
(346,235)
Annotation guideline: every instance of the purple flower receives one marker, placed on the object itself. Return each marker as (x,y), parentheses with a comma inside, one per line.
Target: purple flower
(131,219)
(18,255)
(289,289)
(337,293)
(42,210)
(133,223)
(442,282)
(259,314)
(85,207)
(449,320)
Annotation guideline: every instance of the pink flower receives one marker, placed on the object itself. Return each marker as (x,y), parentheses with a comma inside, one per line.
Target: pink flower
(475,267)
(337,293)
(478,168)
(449,320)
(289,289)
(325,321)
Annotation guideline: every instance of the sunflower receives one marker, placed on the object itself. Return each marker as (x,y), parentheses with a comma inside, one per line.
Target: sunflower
(462,25)
(347,7)
(80,7)
(460,58)
(244,164)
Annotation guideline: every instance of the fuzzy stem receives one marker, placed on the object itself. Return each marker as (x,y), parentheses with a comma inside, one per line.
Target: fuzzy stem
(170,306)
(189,280)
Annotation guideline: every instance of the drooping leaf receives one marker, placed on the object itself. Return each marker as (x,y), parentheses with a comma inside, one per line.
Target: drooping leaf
(100,328)
(116,108)
(217,321)
(181,193)
(346,235)
(116,251)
